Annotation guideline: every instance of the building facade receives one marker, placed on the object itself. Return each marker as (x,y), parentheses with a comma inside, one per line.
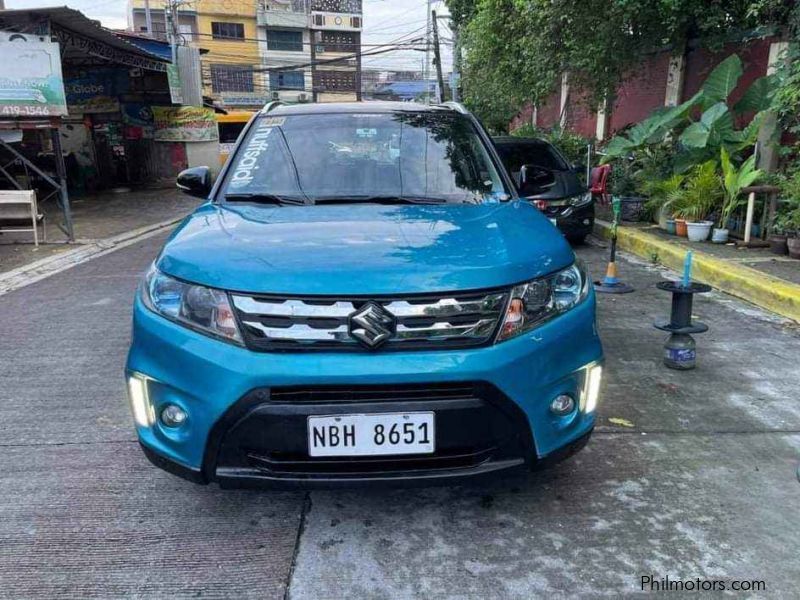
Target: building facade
(262,50)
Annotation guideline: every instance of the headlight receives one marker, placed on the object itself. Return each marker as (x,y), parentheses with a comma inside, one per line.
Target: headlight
(200,308)
(542,299)
(581,199)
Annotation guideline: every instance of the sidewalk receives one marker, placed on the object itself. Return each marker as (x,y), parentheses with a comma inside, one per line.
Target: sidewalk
(96,218)
(753,274)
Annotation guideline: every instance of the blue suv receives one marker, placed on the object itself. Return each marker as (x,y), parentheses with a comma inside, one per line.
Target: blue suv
(363,298)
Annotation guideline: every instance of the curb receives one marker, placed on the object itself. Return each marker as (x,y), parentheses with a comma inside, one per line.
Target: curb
(89,249)
(768,292)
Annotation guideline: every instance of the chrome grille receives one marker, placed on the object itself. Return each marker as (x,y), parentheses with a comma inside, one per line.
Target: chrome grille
(448,321)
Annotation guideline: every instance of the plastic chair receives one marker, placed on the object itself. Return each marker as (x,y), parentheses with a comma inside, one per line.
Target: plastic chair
(599,183)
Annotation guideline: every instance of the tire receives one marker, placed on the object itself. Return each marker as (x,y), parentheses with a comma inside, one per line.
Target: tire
(577,240)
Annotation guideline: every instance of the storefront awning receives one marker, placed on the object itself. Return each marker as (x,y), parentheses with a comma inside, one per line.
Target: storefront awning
(80,37)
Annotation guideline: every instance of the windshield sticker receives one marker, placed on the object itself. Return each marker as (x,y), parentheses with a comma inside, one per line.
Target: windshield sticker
(367,133)
(243,174)
(272,121)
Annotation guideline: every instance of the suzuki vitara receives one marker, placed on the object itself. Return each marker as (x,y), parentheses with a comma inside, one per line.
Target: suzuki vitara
(362,298)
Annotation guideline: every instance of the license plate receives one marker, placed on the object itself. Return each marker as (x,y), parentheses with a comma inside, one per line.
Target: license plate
(371,435)
(554,222)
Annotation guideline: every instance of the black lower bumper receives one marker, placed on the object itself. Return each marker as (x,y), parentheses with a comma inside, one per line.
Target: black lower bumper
(261,442)
(574,222)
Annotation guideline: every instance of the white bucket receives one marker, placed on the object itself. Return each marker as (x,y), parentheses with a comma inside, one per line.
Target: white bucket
(698,232)
(719,236)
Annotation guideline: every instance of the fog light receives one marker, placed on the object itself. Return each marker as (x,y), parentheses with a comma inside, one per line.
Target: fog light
(592,388)
(563,404)
(173,415)
(140,402)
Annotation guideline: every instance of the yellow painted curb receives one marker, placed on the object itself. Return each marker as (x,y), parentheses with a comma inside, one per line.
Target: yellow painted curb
(774,294)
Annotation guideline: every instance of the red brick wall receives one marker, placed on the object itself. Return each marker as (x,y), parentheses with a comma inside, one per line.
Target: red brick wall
(644,88)
(700,62)
(580,117)
(641,93)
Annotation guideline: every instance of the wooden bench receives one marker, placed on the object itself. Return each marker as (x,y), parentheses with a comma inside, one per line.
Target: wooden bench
(20,205)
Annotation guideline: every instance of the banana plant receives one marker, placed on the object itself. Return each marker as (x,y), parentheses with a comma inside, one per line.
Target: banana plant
(734,180)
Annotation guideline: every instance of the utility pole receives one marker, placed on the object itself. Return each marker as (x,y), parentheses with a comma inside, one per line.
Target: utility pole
(426,68)
(456,65)
(437,59)
(147,18)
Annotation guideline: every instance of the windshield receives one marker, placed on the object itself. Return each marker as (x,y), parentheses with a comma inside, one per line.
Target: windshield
(416,156)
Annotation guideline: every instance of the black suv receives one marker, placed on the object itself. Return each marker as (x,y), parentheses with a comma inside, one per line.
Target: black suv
(543,176)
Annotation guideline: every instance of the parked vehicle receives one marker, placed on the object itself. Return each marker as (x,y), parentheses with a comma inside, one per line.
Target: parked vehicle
(552,184)
(363,298)
(229,126)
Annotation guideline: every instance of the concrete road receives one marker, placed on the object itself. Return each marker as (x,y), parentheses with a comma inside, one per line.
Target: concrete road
(689,475)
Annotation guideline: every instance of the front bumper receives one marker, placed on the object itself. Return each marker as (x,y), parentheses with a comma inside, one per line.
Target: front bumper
(244,430)
(573,222)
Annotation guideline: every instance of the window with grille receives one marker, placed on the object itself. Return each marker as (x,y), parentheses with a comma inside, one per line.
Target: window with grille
(328,80)
(231,78)
(338,41)
(284,40)
(227,31)
(337,6)
(287,80)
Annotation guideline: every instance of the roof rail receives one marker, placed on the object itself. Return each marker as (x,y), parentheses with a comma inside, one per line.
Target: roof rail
(456,106)
(270,105)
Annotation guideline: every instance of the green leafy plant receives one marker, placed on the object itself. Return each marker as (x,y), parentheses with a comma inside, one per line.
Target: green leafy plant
(700,140)
(664,194)
(734,180)
(702,192)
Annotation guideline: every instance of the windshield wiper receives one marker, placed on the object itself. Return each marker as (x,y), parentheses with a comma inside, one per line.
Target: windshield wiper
(265,198)
(381,199)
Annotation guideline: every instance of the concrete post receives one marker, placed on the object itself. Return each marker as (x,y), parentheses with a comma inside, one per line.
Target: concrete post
(603,118)
(675,78)
(768,132)
(564,100)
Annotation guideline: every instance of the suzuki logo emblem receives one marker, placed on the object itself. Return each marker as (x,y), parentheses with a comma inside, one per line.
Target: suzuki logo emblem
(372,325)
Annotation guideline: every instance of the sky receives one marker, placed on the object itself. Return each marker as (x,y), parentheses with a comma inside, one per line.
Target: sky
(384,21)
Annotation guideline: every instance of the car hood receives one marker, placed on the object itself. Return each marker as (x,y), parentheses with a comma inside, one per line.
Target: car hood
(369,249)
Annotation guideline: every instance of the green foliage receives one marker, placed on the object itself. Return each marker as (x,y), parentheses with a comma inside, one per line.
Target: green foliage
(692,196)
(734,180)
(702,192)
(516,50)
(788,217)
(663,193)
(700,140)
(571,144)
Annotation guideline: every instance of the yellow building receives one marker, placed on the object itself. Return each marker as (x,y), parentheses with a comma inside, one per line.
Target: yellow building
(227,30)
(262,50)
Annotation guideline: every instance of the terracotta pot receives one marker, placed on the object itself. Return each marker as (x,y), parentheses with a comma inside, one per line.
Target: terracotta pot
(680,227)
(794,247)
(778,245)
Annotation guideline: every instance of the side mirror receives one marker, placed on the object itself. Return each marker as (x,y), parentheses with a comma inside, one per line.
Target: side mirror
(195,181)
(579,168)
(534,180)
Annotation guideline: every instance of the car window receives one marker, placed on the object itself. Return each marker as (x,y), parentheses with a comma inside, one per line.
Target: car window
(541,155)
(437,156)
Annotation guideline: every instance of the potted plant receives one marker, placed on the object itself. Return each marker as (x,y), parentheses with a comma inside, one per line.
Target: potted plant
(663,195)
(733,182)
(791,225)
(623,186)
(702,194)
